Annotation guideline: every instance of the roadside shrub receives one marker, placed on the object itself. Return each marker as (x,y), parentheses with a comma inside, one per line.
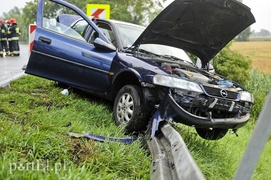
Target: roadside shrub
(259,85)
(232,65)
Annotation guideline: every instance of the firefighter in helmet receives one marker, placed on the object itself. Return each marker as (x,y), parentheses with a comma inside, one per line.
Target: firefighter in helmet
(15,33)
(3,38)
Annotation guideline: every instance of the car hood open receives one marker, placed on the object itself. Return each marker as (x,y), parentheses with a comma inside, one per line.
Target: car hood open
(202,27)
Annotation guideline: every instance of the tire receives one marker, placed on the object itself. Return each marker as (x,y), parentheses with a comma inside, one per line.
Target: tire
(211,134)
(128,109)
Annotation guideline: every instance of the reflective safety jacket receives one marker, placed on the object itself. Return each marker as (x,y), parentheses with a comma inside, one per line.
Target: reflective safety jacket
(15,32)
(9,33)
(3,33)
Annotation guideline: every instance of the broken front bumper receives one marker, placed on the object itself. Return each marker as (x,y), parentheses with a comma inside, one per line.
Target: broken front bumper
(182,116)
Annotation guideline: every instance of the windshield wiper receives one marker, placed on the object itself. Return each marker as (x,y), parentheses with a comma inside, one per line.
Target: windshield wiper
(127,49)
(148,52)
(171,57)
(138,51)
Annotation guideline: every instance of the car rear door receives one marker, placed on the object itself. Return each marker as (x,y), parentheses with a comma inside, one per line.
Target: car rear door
(62,51)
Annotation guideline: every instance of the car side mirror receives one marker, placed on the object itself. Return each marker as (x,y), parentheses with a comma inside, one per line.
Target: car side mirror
(99,43)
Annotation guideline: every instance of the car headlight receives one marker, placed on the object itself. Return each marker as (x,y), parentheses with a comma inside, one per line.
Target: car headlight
(174,82)
(246,96)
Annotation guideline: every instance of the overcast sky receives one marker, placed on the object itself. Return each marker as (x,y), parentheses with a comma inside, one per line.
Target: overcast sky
(260,8)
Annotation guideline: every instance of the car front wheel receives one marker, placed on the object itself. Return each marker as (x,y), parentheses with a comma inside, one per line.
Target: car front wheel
(128,109)
(211,134)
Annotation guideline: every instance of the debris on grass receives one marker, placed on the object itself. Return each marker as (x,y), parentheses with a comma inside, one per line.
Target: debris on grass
(126,140)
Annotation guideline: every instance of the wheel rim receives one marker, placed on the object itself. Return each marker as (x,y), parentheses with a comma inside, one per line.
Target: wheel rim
(125,108)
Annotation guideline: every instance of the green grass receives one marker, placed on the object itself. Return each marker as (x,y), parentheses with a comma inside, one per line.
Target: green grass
(220,159)
(34,143)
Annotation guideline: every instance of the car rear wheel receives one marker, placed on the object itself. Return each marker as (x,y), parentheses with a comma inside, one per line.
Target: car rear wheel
(211,134)
(128,109)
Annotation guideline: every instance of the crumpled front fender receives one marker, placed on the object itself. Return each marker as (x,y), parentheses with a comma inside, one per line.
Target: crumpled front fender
(170,109)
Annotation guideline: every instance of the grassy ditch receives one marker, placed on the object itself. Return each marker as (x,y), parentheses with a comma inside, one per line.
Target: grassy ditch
(35,119)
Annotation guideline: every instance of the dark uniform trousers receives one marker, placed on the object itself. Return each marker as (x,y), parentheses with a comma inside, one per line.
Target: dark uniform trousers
(9,40)
(15,33)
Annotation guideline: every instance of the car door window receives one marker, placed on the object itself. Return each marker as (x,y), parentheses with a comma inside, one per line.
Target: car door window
(64,21)
(80,27)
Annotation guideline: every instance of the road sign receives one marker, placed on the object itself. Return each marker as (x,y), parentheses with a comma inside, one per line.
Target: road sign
(32,30)
(98,11)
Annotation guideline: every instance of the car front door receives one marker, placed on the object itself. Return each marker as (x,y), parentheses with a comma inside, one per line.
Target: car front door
(62,49)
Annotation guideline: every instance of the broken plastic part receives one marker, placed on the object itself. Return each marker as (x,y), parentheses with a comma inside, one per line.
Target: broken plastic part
(127,140)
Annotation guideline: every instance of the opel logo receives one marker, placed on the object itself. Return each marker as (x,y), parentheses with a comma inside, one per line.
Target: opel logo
(223,93)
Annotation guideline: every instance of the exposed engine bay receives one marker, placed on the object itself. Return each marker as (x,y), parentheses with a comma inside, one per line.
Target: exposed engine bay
(220,97)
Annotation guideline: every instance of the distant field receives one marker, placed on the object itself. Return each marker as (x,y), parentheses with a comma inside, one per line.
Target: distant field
(258,51)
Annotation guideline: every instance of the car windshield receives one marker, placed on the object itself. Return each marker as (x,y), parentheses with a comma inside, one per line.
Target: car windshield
(129,34)
(166,51)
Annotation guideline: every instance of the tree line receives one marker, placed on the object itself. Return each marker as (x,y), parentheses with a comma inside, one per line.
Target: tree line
(135,11)
(247,34)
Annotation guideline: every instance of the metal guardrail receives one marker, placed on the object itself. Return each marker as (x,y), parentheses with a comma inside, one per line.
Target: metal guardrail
(172,160)
(256,144)
(170,156)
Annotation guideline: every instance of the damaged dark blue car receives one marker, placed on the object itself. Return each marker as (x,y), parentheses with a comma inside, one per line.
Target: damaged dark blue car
(146,72)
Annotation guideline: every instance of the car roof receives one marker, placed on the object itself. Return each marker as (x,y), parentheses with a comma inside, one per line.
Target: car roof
(119,22)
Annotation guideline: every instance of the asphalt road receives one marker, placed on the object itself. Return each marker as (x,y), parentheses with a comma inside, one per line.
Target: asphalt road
(11,67)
